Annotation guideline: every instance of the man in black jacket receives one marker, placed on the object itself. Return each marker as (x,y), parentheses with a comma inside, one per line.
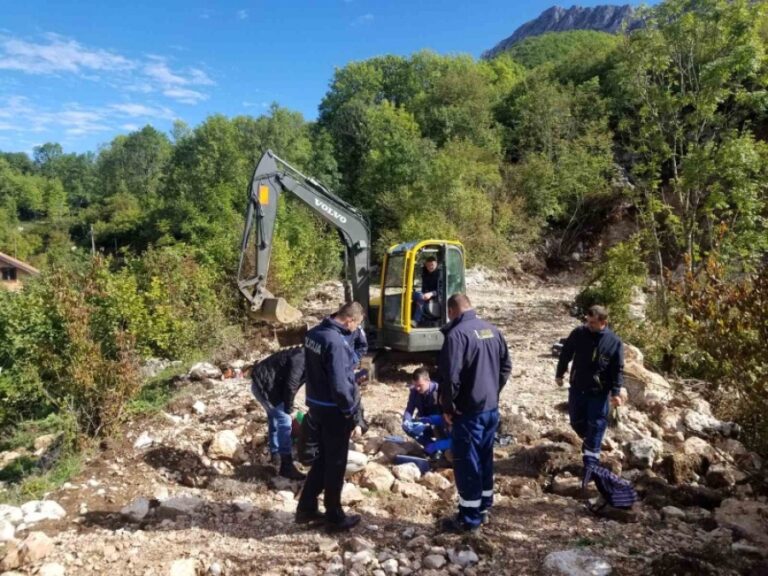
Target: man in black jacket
(597,375)
(473,366)
(430,288)
(275,382)
(333,399)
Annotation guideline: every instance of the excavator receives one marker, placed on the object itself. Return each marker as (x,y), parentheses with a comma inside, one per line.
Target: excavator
(389,324)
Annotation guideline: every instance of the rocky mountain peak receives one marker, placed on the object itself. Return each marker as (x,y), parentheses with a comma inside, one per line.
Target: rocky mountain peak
(605,18)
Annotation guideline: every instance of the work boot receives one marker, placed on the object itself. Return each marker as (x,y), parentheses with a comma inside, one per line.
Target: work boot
(308,517)
(343,524)
(274,461)
(453,525)
(288,469)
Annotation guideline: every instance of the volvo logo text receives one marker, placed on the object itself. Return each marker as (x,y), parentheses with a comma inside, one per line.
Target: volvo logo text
(328,210)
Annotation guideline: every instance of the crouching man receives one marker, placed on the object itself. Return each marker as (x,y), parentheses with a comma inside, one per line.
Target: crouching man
(275,382)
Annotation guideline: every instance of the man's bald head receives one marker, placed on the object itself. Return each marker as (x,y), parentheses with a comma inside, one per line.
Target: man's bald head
(457,305)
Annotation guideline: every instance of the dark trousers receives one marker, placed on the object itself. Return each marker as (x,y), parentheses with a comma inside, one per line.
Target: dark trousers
(472,436)
(327,472)
(588,412)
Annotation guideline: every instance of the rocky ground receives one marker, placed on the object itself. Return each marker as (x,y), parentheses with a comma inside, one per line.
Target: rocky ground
(190,491)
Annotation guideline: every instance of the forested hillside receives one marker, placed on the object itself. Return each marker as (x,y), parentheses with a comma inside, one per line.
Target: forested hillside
(528,153)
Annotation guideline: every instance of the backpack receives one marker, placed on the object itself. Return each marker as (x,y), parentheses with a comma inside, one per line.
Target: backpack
(616,491)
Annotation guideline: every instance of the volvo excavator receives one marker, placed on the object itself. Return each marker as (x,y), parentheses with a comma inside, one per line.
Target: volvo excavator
(389,324)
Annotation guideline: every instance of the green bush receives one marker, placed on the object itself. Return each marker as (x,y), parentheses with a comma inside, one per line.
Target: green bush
(611,282)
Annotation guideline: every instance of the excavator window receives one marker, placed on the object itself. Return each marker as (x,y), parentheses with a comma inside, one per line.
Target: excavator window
(392,299)
(454,271)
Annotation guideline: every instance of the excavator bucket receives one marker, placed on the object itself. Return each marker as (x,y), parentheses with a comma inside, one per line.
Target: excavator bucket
(278,310)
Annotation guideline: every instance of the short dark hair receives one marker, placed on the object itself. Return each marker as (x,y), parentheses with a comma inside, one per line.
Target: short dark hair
(430,258)
(459,301)
(599,312)
(353,310)
(420,373)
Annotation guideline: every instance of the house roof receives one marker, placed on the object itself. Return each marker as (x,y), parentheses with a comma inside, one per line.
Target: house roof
(5,259)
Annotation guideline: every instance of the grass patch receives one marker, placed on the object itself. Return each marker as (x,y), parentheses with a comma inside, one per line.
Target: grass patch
(155,394)
(35,484)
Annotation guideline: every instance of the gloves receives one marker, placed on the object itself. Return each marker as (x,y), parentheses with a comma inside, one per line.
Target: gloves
(413,428)
(434,420)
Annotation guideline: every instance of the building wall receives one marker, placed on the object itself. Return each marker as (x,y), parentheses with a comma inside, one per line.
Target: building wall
(14,285)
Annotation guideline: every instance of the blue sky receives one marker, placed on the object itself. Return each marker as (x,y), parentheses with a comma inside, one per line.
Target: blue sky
(79,73)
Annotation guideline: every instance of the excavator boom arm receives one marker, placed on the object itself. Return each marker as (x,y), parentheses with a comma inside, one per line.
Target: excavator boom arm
(272,177)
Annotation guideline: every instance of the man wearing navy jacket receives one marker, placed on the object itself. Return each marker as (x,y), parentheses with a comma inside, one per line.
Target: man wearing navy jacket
(597,375)
(333,399)
(473,366)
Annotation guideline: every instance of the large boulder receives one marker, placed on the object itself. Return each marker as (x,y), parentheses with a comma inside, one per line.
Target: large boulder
(356,461)
(680,468)
(224,446)
(407,472)
(645,388)
(576,562)
(707,426)
(749,519)
(377,477)
(204,371)
(643,453)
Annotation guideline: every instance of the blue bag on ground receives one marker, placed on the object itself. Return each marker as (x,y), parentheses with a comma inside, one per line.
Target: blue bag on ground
(618,492)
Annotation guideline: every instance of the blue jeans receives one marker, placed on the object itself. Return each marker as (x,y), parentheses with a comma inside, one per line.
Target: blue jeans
(472,436)
(588,412)
(419,310)
(278,423)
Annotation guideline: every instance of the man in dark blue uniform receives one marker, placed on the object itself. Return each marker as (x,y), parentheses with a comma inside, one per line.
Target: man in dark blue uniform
(333,399)
(474,365)
(597,375)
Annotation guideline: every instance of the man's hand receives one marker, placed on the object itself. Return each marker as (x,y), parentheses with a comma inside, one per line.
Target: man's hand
(617,401)
(357,432)
(448,418)
(428,295)
(559,381)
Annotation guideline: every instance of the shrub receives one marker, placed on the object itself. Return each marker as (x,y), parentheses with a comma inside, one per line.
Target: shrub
(612,281)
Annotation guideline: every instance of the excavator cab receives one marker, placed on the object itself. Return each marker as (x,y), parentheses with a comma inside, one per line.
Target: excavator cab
(403,321)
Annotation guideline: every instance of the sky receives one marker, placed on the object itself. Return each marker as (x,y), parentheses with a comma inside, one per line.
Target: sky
(81,72)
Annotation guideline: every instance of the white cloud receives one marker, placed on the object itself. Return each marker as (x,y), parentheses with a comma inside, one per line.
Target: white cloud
(242,14)
(55,55)
(136,110)
(130,127)
(185,95)
(247,104)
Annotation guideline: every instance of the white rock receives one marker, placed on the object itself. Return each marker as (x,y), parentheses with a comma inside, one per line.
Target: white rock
(434,561)
(215,569)
(51,569)
(436,482)
(137,510)
(12,514)
(576,562)
(203,371)
(179,506)
(143,441)
(356,461)
(673,513)
(407,472)
(42,443)
(363,557)
(7,531)
(377,477)
(225,445)
(644,452)
(39,510)
(351,494)
(199,408)
(390,566)
(463,558)
(185,567)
